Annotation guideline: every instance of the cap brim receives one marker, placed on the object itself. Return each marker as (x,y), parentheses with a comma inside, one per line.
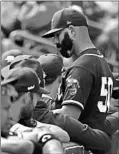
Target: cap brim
(43,91)
(7,81)
(51,33)
(5,71)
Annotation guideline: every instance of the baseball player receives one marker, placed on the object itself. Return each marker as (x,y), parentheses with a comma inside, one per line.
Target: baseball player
(15,61)
(18,106)
(42,114)
(88,84)
(8,56)
(7,144)
(52,65)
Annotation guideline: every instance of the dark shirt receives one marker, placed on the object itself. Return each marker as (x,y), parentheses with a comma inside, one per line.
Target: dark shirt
(88,84)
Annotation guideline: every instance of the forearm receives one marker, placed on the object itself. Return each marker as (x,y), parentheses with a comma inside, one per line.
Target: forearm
(57,132)
(53,147)
(60,133)
(17,147)
(86,135)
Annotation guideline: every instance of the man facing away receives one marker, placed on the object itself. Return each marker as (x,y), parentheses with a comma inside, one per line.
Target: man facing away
(52,65)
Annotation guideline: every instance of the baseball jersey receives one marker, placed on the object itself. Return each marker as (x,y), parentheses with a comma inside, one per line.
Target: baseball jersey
(42,108)
(88,84)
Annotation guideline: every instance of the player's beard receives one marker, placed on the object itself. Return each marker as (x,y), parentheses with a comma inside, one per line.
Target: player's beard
(65,47)
(26,112)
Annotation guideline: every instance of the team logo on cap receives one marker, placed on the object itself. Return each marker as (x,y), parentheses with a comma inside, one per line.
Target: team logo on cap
(31,87)
(9,59)
(68,22)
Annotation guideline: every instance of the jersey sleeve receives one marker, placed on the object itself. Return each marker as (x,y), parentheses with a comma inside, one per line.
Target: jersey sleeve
(78,85)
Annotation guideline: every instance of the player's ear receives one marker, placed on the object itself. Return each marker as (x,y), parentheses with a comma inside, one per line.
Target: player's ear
(72,31)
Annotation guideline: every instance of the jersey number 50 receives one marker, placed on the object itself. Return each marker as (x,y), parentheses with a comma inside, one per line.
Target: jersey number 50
(106,90)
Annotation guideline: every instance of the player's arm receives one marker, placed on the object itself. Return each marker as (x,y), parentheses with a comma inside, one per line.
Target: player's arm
(53,147)
(70,110)
(49,143)
(78,85)
(45,143)
(56,131)
(86,135)
(16,146)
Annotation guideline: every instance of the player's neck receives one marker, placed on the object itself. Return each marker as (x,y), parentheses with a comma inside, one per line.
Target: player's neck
(82,41)
(82,46)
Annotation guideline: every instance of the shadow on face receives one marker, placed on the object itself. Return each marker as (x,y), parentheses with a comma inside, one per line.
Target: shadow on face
(6,92)
(23,107)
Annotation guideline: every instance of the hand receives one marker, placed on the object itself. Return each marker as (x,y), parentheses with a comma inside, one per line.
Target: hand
(41,131)
(20,128)
(32,136)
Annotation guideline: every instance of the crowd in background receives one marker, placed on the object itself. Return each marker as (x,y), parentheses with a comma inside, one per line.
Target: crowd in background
(35,18)
(22,24)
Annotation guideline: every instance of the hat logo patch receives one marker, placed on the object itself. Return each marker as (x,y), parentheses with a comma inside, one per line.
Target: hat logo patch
(68,22)
(10,58)
(31,87)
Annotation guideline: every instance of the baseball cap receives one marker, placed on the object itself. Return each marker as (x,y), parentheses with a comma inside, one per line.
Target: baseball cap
(8,56)
(24,80)
(65,17)
(52,65)
(18,59)
(14,63)
(35,65)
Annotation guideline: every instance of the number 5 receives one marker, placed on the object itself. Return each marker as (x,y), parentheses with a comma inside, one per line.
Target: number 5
(106,90)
